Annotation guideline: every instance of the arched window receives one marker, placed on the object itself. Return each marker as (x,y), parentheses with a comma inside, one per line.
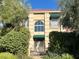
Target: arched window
(39,26)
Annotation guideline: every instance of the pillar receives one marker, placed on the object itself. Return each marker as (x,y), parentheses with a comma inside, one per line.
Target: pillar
(47,19)
(31,29)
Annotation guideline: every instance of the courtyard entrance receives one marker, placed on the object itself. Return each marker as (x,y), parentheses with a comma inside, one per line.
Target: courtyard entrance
(39,45)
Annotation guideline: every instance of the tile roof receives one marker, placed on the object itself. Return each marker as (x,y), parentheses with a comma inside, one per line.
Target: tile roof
(41,10)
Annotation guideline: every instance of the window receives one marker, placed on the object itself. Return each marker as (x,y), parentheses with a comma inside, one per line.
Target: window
(54,23)
(39,26)
(54,20)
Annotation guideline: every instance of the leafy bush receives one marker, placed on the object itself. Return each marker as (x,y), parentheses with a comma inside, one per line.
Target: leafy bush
(46,57)
(52,57)
(63,56)
(61,42)
(4,31)
(55,40)
(7,55)
(15,42)
(23,56)
(25,31)
(67,56)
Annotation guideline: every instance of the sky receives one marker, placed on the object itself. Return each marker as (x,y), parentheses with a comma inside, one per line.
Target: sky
(43,4)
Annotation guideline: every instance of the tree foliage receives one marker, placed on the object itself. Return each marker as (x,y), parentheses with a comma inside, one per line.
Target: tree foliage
(71,13)
(13,10)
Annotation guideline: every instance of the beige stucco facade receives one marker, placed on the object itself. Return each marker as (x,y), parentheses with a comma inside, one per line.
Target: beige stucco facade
(44,16)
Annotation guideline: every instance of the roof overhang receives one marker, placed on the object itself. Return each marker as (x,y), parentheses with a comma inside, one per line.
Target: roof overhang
(45,10)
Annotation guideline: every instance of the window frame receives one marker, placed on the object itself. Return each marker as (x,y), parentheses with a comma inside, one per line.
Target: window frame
(39,26)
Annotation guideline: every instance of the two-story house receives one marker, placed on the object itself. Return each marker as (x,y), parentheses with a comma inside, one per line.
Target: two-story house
(40,24)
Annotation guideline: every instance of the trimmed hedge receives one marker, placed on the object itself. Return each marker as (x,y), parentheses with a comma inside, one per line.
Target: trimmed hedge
(55,41)
(61,42)
(15,42)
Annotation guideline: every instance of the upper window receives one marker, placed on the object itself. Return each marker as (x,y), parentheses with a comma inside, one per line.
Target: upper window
(39,26)
(54,23)
(54,20)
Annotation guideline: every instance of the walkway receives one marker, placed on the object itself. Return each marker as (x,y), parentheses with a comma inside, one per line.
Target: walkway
(36,57)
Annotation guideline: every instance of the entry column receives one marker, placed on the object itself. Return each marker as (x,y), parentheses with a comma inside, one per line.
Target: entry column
(47,17)
(31,29)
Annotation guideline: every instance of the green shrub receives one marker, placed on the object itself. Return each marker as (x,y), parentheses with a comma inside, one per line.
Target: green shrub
(4,31)
(55,40)
(63,56)
(67,56)
(52,57)
(62,42)
(7,55)
(24,30)
(23,56)
(15,42)
(46,57)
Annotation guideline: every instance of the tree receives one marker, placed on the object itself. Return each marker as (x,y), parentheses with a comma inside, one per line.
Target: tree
(13,10)
(71,13)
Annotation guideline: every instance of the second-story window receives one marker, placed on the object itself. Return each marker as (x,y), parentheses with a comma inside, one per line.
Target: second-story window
(54,20)
(54,23)
(39,26)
